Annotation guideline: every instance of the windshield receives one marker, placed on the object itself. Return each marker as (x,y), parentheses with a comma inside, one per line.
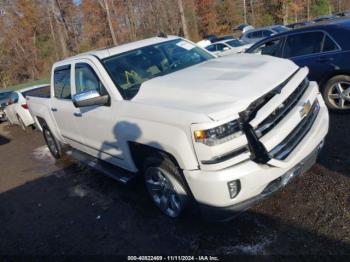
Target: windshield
(235,43)
(129,70)
(280,29)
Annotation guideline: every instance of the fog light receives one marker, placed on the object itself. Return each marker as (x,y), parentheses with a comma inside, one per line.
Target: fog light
(233,188)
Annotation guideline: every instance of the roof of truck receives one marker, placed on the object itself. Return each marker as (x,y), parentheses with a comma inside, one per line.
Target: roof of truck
(110,51)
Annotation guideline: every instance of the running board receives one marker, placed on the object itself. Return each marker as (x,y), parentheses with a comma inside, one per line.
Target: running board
(104,167)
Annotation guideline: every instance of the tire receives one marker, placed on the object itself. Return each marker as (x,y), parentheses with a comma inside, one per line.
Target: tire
(165,185)
(21,123)
(52,143)
(336,94)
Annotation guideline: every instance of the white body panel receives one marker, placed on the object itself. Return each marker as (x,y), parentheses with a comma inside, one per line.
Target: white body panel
(15,110)
(168,109)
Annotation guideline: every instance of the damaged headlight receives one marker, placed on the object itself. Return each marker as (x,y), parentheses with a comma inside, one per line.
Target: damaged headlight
(219,134)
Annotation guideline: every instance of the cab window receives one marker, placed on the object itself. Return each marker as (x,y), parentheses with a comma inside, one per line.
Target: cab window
(220,47)
(272,47)
(62,85)
(86,78)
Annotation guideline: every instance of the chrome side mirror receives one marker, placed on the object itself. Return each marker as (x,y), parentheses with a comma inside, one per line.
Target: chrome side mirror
(90,98)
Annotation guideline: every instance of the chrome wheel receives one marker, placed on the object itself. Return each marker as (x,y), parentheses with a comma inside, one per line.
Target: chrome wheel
(339,95)
(163,192)
(50,141)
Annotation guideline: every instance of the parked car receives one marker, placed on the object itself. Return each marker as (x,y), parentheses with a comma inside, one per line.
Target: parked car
(325,50)
(325,18)
(226,47)
(343,14)
(224,132)
(4,97)
(299,24)
(243,28)
(255,35)
(17,110)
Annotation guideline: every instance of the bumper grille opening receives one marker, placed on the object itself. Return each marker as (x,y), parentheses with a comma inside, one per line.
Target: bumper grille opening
(283,150)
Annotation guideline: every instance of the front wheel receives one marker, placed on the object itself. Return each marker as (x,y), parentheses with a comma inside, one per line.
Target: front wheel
(165,186)
(336,94)
(52,143)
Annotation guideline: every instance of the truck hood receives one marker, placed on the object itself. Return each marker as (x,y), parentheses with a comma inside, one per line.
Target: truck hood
(218,88)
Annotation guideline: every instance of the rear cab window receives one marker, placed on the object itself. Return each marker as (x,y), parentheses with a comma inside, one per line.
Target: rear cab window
(43,91)
(62,82)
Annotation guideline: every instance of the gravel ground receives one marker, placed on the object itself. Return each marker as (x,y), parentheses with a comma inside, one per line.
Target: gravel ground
(61,207)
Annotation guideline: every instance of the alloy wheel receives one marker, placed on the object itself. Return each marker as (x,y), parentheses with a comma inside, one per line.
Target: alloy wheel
(163,192)
(339,95)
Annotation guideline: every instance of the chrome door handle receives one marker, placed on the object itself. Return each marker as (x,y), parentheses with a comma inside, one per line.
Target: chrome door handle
(54,109)
(78,114)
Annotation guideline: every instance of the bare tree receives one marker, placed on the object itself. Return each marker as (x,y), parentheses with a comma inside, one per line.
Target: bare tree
(105,6)
(183,19)
(61,31)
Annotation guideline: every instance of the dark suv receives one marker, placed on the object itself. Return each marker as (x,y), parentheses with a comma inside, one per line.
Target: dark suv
(325,49)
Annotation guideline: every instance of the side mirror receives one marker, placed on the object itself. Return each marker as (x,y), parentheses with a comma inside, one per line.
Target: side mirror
(225,49)
(90,98)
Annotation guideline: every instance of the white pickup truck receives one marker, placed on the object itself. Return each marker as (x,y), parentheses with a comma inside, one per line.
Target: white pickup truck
(220,132)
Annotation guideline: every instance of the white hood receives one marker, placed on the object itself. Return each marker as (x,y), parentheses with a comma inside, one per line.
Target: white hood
(219,87)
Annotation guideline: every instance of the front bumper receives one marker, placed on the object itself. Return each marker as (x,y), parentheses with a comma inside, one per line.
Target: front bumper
(210,188)
(229,212)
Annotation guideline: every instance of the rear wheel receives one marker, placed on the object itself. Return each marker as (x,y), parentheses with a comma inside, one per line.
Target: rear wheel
(52,143)
(337,94)
(165,186)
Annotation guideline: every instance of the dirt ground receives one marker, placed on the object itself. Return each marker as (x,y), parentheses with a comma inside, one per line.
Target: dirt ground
(61,207)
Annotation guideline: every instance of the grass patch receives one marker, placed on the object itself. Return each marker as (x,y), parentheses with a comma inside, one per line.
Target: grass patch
(27,84)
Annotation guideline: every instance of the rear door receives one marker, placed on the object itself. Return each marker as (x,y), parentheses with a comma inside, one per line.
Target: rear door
(316,50)
(62,107)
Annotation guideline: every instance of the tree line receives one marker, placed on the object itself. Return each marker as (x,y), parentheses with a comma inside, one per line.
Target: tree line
(35,33)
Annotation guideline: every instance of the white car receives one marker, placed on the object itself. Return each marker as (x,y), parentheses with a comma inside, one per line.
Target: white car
(223,132)
(17,109)
(227,47)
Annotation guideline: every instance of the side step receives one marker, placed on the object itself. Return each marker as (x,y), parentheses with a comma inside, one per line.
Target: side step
(108,169)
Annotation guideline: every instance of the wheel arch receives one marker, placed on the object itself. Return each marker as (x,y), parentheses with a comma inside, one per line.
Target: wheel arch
(324,80)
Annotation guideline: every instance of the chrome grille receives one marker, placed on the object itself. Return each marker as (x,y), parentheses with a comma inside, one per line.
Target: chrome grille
(283,150)
(280,112)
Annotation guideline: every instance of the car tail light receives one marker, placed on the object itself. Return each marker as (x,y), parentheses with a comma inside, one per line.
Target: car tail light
(25,106)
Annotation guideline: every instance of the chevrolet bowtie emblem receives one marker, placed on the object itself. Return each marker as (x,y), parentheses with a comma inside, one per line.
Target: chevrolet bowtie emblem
(306,109)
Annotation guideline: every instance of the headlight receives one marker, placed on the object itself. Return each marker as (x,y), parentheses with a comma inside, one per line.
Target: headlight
(218,135)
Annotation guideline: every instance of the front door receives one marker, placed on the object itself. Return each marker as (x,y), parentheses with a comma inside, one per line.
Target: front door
(97,124)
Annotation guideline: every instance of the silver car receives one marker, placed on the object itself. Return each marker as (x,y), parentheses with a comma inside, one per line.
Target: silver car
(255,35)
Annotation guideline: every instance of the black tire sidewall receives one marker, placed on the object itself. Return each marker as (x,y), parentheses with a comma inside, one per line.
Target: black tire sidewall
(58,147)
(325,91)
